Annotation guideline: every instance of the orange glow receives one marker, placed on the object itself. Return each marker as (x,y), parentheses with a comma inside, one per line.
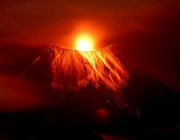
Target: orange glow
(73,69)
(102,115)
(91,31)
(84,43)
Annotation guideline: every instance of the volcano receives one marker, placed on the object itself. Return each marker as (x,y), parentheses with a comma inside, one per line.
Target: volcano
(98,90)
(105,73)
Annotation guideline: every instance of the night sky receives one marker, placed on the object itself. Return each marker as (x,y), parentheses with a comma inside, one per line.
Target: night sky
(147,33)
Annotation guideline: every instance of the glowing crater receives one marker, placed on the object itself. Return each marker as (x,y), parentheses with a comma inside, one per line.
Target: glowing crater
(84,43)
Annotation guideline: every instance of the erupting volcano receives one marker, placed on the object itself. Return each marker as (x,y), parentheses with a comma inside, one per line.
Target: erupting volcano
(83,69)
(75,68)
(91,78)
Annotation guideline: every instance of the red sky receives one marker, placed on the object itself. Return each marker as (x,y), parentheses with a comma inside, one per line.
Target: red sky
(145,32)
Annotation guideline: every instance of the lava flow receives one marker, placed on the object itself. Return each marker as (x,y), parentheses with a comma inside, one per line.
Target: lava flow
(73,69)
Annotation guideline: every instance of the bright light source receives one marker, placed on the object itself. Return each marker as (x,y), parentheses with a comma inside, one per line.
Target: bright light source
(84,43)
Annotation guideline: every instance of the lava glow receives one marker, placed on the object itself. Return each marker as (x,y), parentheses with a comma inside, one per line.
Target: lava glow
(84,43)
(73,69)
(76,70)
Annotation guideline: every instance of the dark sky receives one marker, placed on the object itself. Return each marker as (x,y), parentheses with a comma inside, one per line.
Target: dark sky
(145,32)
